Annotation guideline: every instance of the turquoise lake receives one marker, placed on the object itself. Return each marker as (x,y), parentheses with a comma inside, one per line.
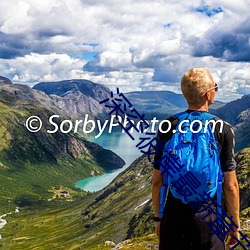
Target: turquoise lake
(121,144)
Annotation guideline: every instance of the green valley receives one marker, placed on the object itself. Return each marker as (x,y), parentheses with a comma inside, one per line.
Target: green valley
(120,213)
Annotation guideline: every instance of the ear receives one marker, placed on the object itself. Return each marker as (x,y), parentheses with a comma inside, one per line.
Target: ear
(207,95)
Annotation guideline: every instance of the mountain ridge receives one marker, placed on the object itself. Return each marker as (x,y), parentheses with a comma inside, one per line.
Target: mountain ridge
(4,80)
(77,97)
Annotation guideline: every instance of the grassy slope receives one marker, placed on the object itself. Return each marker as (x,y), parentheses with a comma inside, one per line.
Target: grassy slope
(243,175)
(48,226)
(88,222)
(60,225)
(28,167)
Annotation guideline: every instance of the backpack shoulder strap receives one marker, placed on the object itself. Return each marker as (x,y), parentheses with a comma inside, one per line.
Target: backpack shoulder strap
(205,115)
(208,116)
(182,115)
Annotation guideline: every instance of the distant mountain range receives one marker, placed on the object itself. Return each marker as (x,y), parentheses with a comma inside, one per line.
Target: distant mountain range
(161,104)
(158,104)
(79,97)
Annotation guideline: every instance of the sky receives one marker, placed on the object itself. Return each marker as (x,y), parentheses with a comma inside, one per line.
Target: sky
(136,45)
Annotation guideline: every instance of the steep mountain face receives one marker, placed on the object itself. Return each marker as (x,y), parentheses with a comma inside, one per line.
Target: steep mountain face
(77,97)
(242,130)
(232,110)
(117,206)
(34,162)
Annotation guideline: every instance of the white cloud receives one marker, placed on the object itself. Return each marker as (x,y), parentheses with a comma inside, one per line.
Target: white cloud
(35,68)
(141,45)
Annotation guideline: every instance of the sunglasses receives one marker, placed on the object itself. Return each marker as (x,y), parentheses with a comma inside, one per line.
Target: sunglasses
(216,87)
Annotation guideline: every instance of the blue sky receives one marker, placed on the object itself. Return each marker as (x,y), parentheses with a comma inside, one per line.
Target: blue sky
(133,45)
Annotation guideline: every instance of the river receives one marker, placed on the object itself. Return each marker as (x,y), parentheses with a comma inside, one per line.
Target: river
(121,144)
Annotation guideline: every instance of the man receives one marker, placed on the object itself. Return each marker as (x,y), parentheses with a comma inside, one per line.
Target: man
(182,227)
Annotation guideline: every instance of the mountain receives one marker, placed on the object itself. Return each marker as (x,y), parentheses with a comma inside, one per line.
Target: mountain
(4,80)
(161,100)
(216,105)
(232,110)
(31,164)
(242,130)
(38,166)
(237,114)
(77,97)
(160,104)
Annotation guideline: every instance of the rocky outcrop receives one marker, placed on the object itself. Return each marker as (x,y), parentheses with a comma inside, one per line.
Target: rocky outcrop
(237,113)
(4,80)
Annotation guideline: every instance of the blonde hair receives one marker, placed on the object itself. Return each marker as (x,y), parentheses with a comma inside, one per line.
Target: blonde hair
(195,83)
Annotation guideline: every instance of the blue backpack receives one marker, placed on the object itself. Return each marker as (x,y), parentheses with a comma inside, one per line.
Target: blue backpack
(191,161)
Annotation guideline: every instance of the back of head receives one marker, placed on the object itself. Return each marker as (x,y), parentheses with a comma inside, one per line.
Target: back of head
(195,83)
